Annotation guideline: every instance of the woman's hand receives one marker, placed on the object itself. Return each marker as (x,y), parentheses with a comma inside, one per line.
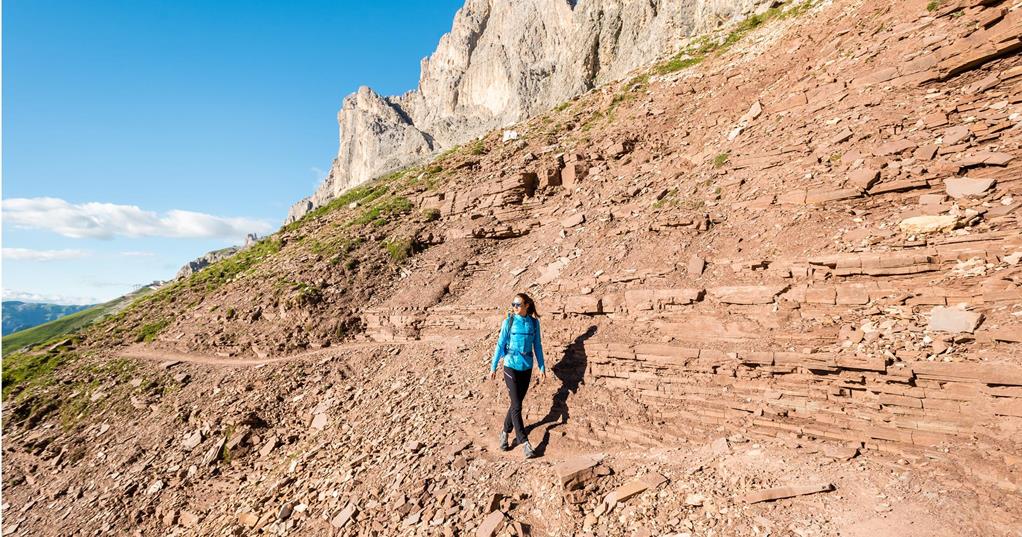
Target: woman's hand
(493,375)
(542,377)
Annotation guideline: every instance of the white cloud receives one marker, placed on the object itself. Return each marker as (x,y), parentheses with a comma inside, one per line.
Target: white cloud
(26,254)
(107,220)
(48,299)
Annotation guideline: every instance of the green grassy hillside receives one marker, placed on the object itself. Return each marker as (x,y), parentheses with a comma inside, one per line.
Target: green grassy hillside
(68,324)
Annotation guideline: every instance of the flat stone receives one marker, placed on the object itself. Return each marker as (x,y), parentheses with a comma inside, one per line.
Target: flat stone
(823,196)
(576,469)
(789,491)
(987,158)
(954,320)
(320,421)
(894,147)
(695,266)
(747,294)
(864,178)
(344,516)
(928,223)
(634,487)
(840,453)
(248,519)
(695,499)
(187,519)
(961,187)
(953,135)
(490,524)
(925,152)
(268,447)
(573,220)
(192,441)
(586,305)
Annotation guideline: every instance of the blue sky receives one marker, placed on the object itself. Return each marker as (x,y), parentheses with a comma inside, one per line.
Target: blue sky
(139,134)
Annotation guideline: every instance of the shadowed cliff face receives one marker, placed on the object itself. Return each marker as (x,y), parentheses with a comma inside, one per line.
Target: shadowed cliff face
(503,62)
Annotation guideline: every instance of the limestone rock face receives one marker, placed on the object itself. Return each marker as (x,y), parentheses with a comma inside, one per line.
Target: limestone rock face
(504,61)
(209,258)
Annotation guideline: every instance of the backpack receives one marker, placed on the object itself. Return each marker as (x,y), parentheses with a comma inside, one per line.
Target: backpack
(508,319)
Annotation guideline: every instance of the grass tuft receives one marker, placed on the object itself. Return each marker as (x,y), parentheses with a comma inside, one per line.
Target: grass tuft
(721,159)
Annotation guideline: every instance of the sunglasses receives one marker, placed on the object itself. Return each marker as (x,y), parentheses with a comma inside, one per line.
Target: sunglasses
(515,304)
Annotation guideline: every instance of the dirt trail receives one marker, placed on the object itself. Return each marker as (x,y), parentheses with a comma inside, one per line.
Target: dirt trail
(168,356)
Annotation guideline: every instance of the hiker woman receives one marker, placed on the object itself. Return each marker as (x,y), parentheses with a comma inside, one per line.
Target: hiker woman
(519,339)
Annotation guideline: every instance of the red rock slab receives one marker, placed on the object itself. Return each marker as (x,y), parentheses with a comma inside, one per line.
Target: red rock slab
(864,178)
(956,134)
(490,524)
(925,152)
(789,491)
(576,469)
(1000,374)
(875,77)
(747,294)
(635,487)
(583,304)
(962,187)
(894,147)
(1008,407)
(987,158)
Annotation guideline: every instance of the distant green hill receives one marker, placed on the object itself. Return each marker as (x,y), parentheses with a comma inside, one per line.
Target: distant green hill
(21,315)
(68,323)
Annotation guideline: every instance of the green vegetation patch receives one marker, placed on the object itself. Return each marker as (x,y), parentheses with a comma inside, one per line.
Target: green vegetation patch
(224,270)
(431,214)
(383,211)
(361,194)
(399,248)
(25,369)
(149,331)
(721,159)
(32,337)
(477,147)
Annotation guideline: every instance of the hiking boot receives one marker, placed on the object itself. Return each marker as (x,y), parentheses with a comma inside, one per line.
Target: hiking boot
(503,442)
(527,449)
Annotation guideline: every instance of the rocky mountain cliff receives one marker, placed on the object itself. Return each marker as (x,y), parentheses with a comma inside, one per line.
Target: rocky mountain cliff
(502,62)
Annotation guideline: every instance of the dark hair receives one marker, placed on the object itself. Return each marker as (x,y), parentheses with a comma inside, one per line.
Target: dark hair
(529,304)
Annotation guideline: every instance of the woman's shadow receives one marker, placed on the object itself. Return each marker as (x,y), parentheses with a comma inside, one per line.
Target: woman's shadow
(571,371)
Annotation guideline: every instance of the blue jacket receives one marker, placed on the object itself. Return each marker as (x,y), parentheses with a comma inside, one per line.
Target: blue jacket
(519,337)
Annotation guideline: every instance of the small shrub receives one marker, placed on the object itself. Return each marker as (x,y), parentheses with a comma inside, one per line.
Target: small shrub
(721,159)
(934,5)
(431,214)
(477,147)
(399,248)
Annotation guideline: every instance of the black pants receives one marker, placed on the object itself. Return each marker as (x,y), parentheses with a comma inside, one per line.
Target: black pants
(517,386)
